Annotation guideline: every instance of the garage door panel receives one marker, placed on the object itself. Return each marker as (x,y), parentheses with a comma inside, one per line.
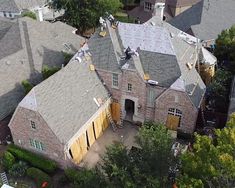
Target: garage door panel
(76,151)
(91,135)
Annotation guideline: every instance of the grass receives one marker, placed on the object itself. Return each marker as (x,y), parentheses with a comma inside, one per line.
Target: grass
(123,17)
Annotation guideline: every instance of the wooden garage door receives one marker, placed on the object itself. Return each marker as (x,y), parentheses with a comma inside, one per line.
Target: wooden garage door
(172,122)
(98,127)
(76,151)
(115,109)
(90,135)
(83,144)
(104,120)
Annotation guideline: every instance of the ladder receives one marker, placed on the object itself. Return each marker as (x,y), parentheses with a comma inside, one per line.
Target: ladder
(4,178)
(111,121)
(121,120)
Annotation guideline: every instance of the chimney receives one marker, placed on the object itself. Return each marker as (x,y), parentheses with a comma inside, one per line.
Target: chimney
(159,10)
(40,14)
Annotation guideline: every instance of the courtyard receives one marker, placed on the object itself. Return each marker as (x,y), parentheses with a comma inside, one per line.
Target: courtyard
(126,135)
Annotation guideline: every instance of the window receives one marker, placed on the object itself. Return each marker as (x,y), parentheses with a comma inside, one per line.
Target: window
(129,87)
(151,97)
(148,6)
(175,112)
(33,124)
(37,144)
(115,80)
(10,15)
(4,13)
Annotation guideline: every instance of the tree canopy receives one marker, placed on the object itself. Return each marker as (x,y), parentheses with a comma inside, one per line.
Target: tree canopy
(84,14)
(212,162)
(225,48)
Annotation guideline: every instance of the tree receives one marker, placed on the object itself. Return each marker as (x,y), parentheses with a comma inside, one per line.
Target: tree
(212,162)
(225,48)
(84,14)
(144,167)
(48,71)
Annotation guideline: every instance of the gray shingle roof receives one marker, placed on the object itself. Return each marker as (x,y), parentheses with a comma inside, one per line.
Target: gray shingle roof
(161,67)
(189,81)
(8,6)
(103,55)
(28,41)
(65,100)
(207,18)
(30,4)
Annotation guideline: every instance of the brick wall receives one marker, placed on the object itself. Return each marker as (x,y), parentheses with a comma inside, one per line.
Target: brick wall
(178,100)
(22,131)
(138,93)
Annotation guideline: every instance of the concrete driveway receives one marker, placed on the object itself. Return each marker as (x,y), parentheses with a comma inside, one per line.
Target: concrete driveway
(126,135)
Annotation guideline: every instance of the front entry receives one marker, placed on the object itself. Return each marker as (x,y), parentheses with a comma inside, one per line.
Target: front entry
(130,109)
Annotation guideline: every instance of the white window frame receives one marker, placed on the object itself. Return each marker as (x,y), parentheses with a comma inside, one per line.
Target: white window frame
(147,6)
(33,124)
(175,112)
(36,144)
(115,83)
(129,87)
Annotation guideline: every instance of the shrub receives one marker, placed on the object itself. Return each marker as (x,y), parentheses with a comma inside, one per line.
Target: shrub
(48,71)
(33,159)
(30,15)
(18,169)
(39,177)
(67,57)
(85,178)
(8,160)
(27,86)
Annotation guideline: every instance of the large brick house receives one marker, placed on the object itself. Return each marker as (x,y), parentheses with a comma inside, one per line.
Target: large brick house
(159,82)
(64,115)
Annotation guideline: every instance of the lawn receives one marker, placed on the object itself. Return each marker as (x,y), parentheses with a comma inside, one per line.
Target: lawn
(123,17)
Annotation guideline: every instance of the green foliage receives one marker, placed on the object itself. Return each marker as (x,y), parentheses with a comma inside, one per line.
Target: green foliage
(145,167)
(67,57)
(85,178)
(33,159)
(39,177)
(47,71)
(29,14)
(27,86)
(18,169)
(84,14)
(225,47)
(220,89)
(212,163)
(8,160)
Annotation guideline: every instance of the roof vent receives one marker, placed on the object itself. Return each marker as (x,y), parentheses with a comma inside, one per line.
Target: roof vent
(92,67)
(152,82)
(189,66)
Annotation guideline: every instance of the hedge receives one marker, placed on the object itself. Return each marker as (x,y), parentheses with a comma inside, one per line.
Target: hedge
(35,160)
(8,160)
(39,177)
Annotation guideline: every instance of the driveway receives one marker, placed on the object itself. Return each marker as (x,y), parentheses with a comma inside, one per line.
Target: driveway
(126,135)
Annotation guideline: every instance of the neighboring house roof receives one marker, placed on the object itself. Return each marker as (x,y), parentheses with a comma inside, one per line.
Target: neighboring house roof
(206,19)
(27,45)
(8,6)
(156,54)
(30,4)
(139,12)
(189,81)
(66,99)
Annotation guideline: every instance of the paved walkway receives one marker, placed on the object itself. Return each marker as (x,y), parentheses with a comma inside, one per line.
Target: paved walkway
(126,135)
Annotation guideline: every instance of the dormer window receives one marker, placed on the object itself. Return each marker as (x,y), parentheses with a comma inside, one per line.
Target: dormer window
(147,6)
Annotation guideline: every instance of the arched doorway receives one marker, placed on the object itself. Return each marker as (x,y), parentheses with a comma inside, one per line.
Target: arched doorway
(130,109)
(173,118)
